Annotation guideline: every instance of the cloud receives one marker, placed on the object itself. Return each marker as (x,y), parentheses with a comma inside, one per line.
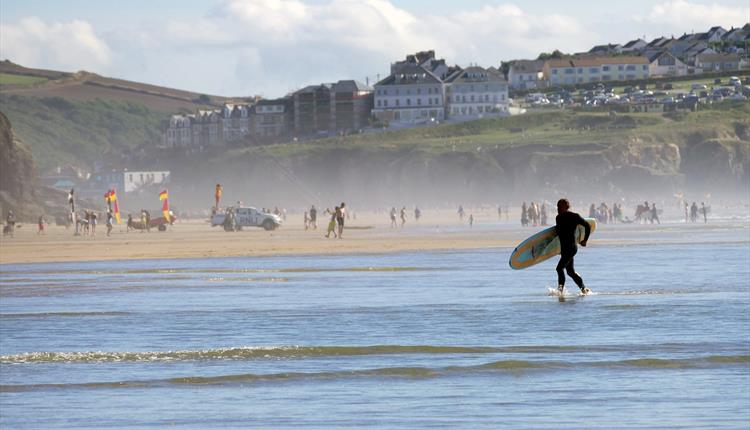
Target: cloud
(69,45)
(272,46)
(681,16)
(302,43)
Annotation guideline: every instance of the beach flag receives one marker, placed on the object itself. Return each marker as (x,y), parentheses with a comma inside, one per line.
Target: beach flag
(115,205)
(164,197)
(111,198)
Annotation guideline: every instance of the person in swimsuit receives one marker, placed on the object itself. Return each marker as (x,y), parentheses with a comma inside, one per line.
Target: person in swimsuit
(566,224)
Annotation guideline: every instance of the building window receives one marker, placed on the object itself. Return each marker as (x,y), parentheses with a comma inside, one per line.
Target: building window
(605,68)
(408,102)
(419,101)
(398,102)
(554,71)
(593,70)
(378,103)
(645,67)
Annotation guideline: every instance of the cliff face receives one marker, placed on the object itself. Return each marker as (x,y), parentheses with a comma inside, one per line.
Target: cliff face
(407,175)
(17,171)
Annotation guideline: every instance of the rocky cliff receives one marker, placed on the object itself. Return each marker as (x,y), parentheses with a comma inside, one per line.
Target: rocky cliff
(17,171)
(638,167)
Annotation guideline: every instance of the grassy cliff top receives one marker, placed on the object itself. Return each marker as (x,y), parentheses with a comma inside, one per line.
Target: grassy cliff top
(555,127)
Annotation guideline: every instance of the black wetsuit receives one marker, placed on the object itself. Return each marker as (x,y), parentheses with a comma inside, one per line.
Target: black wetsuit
(566,224)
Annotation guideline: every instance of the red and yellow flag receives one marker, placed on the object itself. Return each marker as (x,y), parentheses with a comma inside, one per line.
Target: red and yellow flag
(115,206)
(111,198)
(164,197)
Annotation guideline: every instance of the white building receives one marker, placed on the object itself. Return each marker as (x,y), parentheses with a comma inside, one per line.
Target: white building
(123,181)
(570,71)
(476,92)
(666,64)
(412,95)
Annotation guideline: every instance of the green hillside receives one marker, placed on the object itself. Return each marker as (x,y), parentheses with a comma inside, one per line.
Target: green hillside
(63,131)
(555,127)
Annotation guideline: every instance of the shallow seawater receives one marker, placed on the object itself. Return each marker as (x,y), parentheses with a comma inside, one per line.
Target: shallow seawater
(411,340)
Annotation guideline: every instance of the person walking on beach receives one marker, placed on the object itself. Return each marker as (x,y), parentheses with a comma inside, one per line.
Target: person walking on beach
(332,223)
(10,223)
(417,213)
(461,212)
(403,216)
(307,221)
(694,212)
(654,214)
(92,220)
(40,225)
(471,220)
(393,217)
(313,218)
(110,221)
(524,215)
(566,224)
(340,217)
(705,212)
(217,195)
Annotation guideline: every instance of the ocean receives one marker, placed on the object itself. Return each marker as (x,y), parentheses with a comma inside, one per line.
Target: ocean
(408,340)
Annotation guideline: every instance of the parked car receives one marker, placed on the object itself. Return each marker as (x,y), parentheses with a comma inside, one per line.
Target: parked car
(698,87)
(734,81)
(236,218)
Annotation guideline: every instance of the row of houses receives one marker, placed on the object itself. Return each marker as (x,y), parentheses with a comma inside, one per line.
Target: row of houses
(715,50)
(419,89)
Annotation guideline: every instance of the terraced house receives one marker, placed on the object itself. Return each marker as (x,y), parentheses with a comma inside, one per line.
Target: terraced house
(414,92)
(477,92)
(571,71)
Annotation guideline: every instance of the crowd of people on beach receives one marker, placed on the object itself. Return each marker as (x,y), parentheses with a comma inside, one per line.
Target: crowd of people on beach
(531,214)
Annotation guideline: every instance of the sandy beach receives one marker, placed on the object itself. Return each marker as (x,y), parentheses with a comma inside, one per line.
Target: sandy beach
(369,233)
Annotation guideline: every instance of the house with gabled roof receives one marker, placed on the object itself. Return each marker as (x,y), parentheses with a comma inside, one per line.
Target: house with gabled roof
(634,46)
(476,92)
(737,34)
(666,64)
(608,49)
(714,34)
(415,90)
(717,62)
(526,74)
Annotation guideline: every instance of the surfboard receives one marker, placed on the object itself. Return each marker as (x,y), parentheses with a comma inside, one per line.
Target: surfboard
(543,246)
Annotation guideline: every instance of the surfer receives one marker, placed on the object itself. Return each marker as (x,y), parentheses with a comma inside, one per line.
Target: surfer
(565,226)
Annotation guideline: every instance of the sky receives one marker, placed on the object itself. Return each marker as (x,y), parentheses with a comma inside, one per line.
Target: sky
(271,47)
